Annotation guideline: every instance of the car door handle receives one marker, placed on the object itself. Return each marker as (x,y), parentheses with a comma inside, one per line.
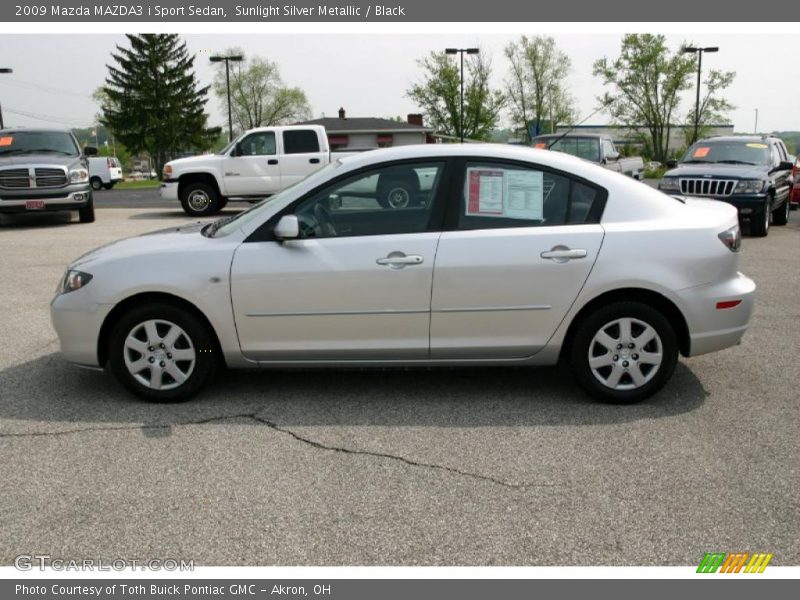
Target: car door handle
(398,260)
(562,254)
(272,161)
(313,161)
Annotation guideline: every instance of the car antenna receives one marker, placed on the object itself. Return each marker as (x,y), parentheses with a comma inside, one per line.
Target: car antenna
(603,106)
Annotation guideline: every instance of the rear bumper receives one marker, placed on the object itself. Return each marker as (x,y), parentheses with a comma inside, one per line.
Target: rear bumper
(712,328)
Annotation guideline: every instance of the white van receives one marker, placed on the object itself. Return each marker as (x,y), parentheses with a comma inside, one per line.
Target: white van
(104,172)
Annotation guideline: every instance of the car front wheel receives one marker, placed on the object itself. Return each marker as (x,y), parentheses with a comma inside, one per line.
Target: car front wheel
(624,352)
(162,353)
(199,199)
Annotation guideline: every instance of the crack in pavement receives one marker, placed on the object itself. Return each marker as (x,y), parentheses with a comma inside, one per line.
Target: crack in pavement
(274,426)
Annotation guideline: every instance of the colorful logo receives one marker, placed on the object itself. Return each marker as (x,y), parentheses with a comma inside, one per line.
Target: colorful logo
(734,562)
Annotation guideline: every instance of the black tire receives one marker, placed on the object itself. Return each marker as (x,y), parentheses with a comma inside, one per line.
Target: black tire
(223,202)
(108,186)
(398,190)
(780,216)
(86,214)
(199,199)
(759,222)
(201,342)
(96,183)
(627,359)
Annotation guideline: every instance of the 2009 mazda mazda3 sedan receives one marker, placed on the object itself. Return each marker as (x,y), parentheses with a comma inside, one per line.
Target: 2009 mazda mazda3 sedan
(491,255)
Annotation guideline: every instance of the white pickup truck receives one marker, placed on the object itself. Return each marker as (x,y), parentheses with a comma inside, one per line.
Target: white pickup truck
(262,162)
(595,148)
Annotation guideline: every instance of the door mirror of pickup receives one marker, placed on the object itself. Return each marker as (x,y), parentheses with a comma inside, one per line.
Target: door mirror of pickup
(672,163)
(612,156)
(92,151)
(785,165)
(288,228)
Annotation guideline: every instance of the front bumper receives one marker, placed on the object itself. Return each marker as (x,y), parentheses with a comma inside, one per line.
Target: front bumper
(169,190)
(71,197)
(77,320)
(712,328)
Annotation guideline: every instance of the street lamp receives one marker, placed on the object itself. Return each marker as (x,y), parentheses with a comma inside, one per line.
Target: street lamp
(699,52)
(2,125)
(461,51)
(228,59)
(755,123)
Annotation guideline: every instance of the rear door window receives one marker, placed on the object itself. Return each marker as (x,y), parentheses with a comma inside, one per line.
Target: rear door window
(300,141)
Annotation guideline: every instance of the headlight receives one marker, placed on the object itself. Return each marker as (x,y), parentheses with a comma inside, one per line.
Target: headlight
(78,176)
(73,280)
(669,184)
(749,186)
(167,171)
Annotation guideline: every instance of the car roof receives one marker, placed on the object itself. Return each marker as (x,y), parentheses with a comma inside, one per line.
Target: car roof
(739,138)
(35,130)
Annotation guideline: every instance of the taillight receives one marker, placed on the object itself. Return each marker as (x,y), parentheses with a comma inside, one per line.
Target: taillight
(732,238)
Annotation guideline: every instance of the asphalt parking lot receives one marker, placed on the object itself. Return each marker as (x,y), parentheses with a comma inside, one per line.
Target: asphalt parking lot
(421,467)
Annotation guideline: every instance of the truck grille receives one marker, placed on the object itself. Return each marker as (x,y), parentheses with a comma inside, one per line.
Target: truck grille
(44,177)
(50,177)
(14,178)
(707,187)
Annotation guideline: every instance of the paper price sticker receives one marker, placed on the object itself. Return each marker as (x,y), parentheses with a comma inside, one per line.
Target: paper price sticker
(6,141)
(541,145)
(701,152)
(509,193)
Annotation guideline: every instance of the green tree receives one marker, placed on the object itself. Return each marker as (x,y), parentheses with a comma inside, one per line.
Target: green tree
(536,86)
(152,101)
(259,97)
(714,109)
(646,82)
(439,97)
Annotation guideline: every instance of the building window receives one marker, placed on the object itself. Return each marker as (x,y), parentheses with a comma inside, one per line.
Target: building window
(385,140)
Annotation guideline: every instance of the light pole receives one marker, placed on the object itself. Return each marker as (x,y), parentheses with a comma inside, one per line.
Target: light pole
(699,51)
(755,124)
(228,59)
(3,125)
(461,51)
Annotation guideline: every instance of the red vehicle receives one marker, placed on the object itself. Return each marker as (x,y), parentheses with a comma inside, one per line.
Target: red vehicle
(794,195)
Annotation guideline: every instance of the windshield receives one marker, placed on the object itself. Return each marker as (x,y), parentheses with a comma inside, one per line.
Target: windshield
(30,142)
(227,225)
(732,152)
(227,148)
(586,148)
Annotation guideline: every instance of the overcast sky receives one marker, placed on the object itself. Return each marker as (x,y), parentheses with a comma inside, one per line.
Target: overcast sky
(55,75)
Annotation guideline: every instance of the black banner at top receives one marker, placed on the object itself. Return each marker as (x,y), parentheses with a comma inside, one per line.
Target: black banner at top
(396,11)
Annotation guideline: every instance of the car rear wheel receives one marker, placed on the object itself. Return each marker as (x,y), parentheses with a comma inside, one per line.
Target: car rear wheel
(780,216)
(199,199)
(97,183)
(759,222)
(86,214)
(624,352)
(162,353)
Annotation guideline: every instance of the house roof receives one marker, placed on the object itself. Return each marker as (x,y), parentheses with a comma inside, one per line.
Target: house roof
(365,125)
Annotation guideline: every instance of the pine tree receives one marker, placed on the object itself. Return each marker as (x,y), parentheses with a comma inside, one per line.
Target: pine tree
(153,102)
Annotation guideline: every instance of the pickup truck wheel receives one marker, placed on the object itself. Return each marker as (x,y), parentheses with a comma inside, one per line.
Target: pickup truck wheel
(780,216)
(624,352)
(759,222)
(396,193)
(86,214)
(199,199)
(97,183)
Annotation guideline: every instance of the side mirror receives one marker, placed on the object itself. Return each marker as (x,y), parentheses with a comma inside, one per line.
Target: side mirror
(785,165)
(612,156)
(672,163)
(92,151)
(288,228)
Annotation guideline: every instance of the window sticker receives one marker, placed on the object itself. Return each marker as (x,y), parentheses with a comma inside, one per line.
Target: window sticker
(6,141)
(541,145)
(512,193)
(701,152)
(759,146)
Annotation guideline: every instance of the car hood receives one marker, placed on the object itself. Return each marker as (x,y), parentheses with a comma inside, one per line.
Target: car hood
(190,160)
(183,238)
(721,171)
(43,158)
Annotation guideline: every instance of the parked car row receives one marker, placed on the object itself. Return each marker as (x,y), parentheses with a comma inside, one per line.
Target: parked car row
(598,149)
(751,173)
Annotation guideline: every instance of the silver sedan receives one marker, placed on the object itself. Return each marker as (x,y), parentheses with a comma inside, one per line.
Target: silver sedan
(499,255)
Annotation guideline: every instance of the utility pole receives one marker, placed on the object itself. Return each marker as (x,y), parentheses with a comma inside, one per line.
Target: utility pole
(2,124)
(461,51)
(228,60)
(699,52)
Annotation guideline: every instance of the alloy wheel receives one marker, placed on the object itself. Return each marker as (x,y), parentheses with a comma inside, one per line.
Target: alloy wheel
(159,354)
(199,200)
(625,354)
(398,197)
